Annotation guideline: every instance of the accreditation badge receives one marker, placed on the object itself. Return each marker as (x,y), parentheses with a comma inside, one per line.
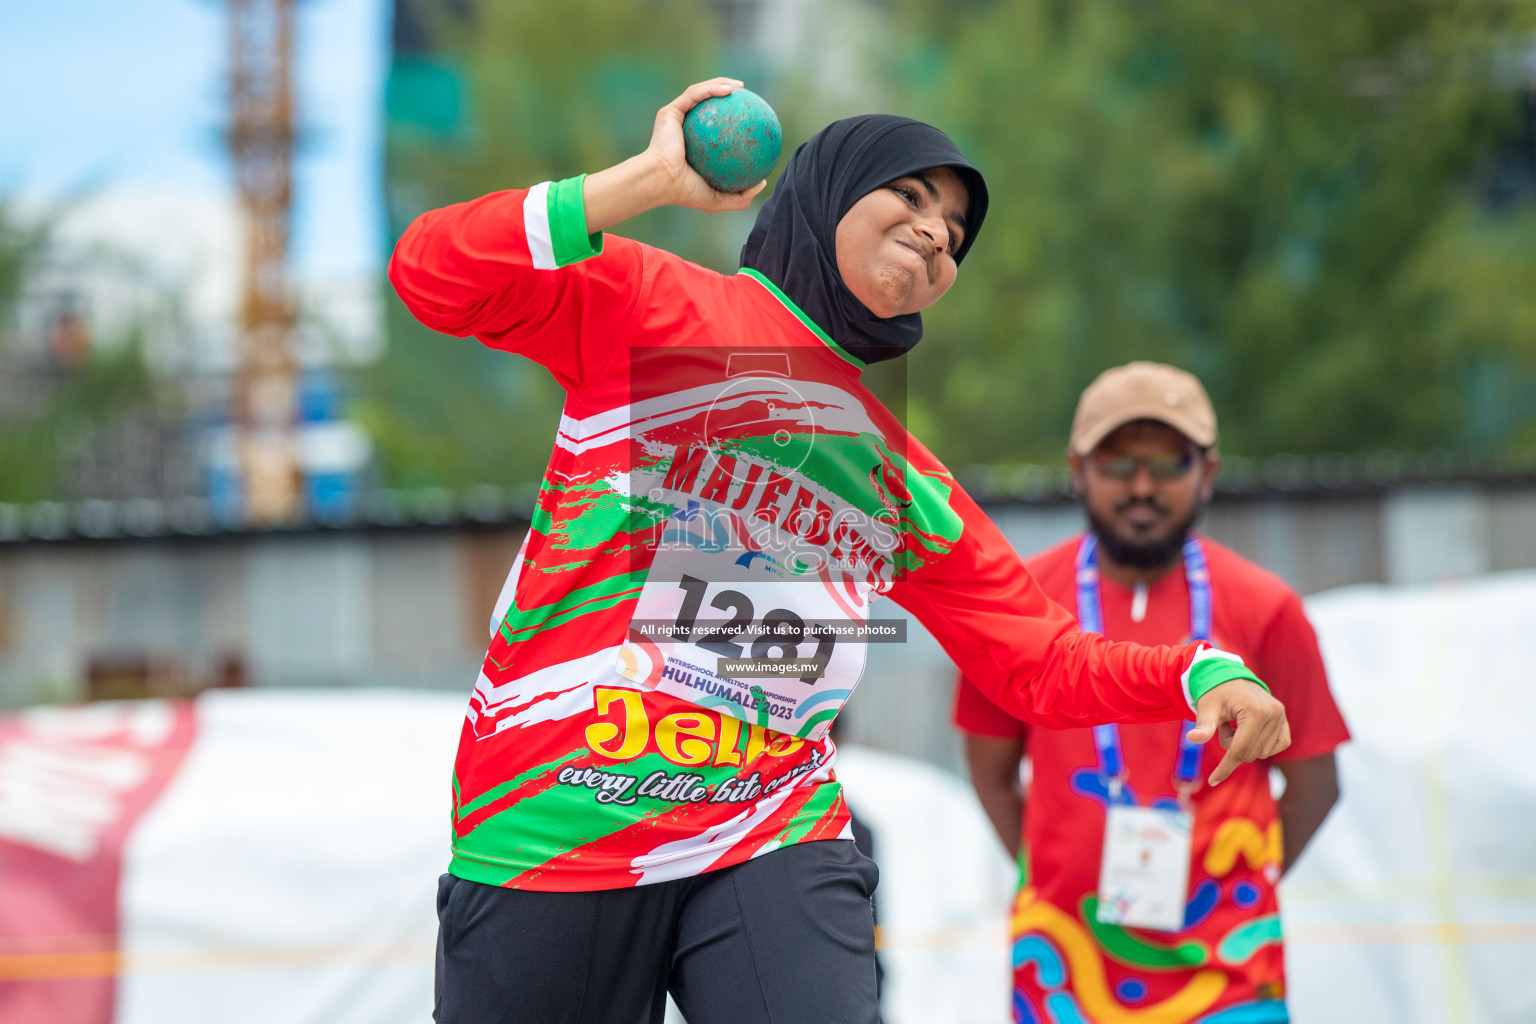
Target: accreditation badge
(1144,876)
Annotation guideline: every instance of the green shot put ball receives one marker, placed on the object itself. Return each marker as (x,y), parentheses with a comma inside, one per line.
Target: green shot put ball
(732,141)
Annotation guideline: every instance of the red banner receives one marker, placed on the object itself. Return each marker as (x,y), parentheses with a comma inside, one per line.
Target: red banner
(73,783)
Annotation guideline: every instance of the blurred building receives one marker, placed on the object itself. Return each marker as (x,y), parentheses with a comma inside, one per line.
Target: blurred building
(133,354)
(156,268)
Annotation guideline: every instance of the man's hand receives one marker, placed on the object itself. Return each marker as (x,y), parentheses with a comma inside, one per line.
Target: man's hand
(660,176)
(1248,721)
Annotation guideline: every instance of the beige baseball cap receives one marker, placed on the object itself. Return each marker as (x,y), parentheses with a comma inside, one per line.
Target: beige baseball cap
(1143,391)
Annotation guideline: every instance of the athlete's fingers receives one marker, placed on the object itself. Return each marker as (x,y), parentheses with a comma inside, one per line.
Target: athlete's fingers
(668,130)
(736,200)
(1252,739)
(1207,718)
(698,92)
(1273,739)
(1238,750)
(1228,765)
(1247,720)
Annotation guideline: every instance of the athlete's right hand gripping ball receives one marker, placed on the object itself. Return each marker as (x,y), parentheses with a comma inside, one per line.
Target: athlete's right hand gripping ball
(732,141)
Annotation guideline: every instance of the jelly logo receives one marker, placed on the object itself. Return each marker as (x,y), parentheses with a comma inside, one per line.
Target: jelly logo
(624,731)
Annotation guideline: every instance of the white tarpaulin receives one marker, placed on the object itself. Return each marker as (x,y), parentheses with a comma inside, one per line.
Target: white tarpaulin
(271,856)
(288,873)
(1416,903)
(945,884)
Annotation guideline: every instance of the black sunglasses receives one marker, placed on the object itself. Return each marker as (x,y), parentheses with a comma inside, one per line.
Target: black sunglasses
(1162,467)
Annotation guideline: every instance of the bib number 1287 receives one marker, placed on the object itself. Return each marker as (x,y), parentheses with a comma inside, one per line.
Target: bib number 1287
(779,634)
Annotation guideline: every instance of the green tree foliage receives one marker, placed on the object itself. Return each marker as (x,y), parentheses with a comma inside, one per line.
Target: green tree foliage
(1288,197)
(26,459)
(1280,195)
(505,95)
(53,419)
(20,244)
(41,455)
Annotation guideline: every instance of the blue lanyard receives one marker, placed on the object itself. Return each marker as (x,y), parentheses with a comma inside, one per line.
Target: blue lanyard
(1090,617)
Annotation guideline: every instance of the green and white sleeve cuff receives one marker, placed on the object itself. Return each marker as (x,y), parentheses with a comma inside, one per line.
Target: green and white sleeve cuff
(555,221)
(1209,669)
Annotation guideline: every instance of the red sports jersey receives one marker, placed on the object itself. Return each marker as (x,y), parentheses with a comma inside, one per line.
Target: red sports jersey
(708,418)
(1229,954)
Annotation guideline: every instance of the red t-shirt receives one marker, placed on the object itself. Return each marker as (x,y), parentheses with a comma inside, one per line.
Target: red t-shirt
(1229,953)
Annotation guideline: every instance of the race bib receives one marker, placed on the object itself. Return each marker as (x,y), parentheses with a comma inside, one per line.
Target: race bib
(1144,876)
(721,623)
(757,598)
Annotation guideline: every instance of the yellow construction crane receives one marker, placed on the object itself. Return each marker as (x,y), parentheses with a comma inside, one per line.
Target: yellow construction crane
(263,397)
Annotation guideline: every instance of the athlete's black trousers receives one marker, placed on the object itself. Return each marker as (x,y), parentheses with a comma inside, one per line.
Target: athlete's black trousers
(787,938)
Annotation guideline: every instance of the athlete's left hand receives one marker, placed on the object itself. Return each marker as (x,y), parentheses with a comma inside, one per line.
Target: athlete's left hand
(1246,719)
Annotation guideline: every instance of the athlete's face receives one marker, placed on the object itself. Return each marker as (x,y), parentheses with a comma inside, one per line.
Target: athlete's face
(1142,488)
(896,246)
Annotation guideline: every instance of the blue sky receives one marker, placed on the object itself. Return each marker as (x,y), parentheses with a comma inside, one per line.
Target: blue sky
(107,93)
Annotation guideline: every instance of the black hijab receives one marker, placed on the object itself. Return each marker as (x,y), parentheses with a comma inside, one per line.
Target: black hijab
(793,243)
